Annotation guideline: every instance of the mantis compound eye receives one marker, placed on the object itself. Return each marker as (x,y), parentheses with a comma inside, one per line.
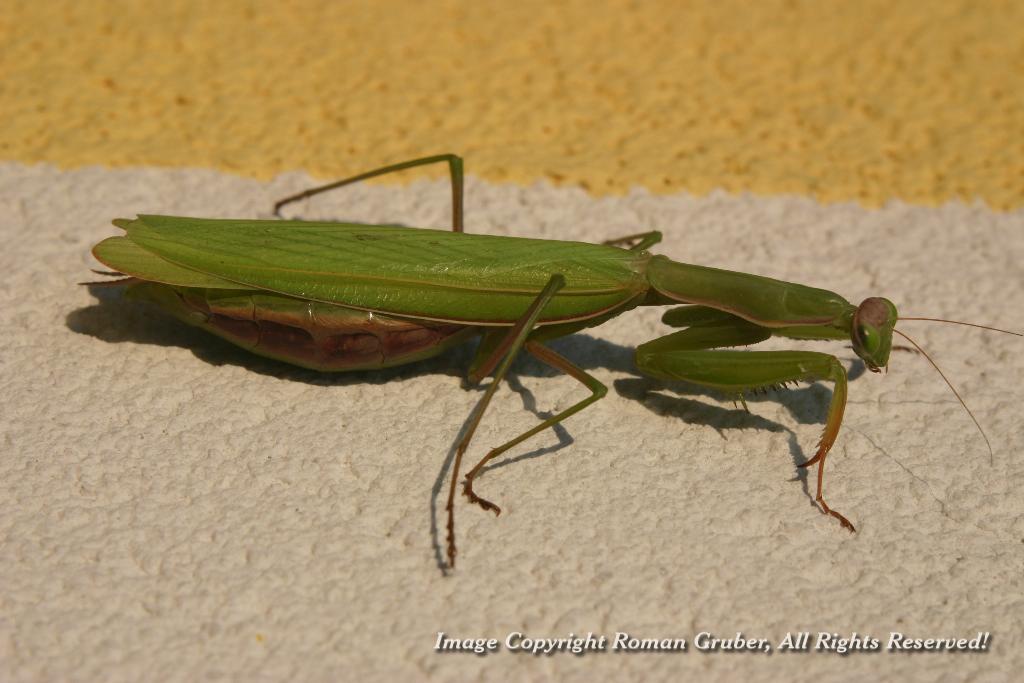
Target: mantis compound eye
(869,338)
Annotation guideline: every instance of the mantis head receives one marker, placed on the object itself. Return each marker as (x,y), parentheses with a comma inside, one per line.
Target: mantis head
(871,331)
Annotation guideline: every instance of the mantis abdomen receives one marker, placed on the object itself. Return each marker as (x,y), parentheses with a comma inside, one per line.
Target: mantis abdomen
(311,334)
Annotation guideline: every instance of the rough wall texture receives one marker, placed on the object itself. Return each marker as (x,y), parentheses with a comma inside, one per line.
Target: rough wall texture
(175,509)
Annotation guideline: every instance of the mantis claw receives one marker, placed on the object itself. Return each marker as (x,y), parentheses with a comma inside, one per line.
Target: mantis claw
(813,460)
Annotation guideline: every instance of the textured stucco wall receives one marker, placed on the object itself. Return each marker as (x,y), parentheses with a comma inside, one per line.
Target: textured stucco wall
(174,509)
(862,100)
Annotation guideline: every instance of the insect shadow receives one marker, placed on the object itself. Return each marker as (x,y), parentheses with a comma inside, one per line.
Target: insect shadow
(115,320)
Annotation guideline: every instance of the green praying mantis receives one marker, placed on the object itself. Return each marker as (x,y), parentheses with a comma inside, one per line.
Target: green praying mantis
(341,296)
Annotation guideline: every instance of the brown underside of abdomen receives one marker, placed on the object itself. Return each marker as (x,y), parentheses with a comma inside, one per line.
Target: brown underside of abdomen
(306,333)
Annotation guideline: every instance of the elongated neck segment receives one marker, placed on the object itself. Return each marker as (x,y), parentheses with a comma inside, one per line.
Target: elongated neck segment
(761,300)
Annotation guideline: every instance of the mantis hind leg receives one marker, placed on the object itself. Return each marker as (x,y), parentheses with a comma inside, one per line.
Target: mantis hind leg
(454,168)
(692,355)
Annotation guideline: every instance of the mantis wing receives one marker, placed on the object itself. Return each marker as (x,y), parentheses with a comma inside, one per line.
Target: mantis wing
(428,274)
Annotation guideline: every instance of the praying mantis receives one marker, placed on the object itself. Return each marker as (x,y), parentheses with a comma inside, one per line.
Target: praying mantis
(344,296)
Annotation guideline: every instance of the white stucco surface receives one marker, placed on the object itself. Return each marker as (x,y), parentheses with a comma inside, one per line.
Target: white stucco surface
(172,508)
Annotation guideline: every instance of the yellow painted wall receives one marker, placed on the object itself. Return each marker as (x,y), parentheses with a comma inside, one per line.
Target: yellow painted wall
(858,99)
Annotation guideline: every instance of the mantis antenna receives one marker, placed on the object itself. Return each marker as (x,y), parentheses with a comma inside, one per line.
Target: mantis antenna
(958,322)
(956,393)
(943,376)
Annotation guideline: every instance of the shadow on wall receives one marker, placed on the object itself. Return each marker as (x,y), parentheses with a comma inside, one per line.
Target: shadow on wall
(116,320)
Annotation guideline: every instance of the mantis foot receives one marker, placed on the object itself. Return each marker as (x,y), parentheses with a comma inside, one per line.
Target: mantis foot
(467,490)
(842,520)
(819,458)
(451,538)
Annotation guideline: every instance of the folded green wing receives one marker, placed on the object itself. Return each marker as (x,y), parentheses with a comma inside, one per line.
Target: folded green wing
(129,258)
(417,272)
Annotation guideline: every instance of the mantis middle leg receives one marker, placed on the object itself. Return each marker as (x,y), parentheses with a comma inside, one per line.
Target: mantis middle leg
(503,346)
(554,360)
